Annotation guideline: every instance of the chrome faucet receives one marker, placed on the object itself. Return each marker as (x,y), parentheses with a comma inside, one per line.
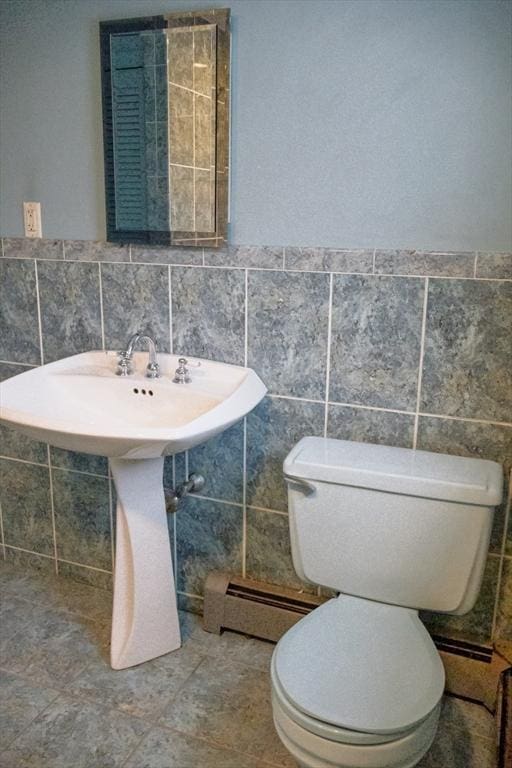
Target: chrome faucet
(124,357)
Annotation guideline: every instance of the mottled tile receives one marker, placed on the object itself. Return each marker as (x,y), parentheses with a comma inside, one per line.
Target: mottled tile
(13,443)
(30,562)
(495,265)
(165,749)
(329,260)
(80,462)
(7,370)
(190,603)
(70,308)
(92,250)
(32,248)
(26,506)
(208,313)
(20,703)
(163,255)
(481,441)
(256,256)
(15,614)
(367,426)
(477,624)
(220,461)
(456,748)
(467,716)
(504,618)
(233,645)
(425,263)
(287,329)
(229,704)
(209,537)
(375,343)
(467,365)
(75,733)
(135,297)
(17,446)
(55,646)
(101,581)
(273,428)
(142,691)
(82,518)
(19,325)
(269,556)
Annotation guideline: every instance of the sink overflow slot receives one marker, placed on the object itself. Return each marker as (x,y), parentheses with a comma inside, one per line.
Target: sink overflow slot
(143,391)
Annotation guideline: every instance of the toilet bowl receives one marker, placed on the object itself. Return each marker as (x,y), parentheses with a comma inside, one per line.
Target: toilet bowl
(358,682)
(346,696)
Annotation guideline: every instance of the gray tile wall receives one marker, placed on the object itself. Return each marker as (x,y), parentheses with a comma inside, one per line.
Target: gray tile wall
(400,347)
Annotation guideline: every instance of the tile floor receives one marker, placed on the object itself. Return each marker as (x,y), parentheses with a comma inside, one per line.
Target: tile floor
(205,706)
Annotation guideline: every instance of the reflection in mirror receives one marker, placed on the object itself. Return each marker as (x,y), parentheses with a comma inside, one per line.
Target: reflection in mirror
(191,61)
(166,128)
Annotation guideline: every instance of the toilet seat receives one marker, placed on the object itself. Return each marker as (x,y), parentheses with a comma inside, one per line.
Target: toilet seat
(354,665)
(321,729)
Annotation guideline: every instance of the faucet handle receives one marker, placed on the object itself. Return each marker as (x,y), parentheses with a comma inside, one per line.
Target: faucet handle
(181,375)
(124,364)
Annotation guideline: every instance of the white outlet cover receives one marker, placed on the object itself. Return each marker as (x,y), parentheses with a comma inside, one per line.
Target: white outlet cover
(32,219)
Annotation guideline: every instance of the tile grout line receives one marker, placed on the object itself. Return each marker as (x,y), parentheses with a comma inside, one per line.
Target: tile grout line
(2,537)
(39,321)
(58,469)
(502,558)
(237,504)
(246,317)
(244,499)
(284,259)
(169,286)
(373,261)
(52,511)
(420,364)
(475,265)
(292,270)
(100,284)
(267,509)
(467,419)
(11,362)
(328,353)
(89,567)
(29,552)
(2,243)
(111,515)
(63,250)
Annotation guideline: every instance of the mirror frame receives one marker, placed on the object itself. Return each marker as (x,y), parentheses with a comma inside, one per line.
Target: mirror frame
(220,17)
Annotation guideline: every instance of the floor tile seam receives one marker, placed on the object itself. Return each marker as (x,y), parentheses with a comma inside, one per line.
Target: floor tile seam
(56,609)
(29,725)
(157,714)
(462,729)
(215,657)
(212,656)
(217,744)
(136,747)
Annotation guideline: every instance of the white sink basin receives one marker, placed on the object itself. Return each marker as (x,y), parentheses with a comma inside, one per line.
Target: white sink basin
(79,404)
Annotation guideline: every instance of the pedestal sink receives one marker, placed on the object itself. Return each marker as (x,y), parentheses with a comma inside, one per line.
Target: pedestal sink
(79,404)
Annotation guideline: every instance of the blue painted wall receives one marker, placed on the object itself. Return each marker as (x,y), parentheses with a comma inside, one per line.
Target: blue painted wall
(356,123)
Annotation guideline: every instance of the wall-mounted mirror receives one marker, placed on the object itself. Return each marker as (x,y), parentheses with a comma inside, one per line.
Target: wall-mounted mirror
(165,89)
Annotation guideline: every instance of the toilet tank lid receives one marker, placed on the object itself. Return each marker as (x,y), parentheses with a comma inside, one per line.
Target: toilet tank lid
(396,470)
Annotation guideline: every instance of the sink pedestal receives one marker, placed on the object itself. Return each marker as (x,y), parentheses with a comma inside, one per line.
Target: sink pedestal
(145,617)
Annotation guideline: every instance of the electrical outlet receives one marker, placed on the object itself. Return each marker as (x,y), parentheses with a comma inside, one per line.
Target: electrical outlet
(32,219)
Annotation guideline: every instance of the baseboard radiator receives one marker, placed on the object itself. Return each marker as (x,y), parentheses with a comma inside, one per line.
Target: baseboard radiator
(262,610)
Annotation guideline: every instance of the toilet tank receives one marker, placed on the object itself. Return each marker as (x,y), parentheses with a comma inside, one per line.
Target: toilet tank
(394,525)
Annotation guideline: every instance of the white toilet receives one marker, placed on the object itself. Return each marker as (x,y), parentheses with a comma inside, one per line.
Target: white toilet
(358,682)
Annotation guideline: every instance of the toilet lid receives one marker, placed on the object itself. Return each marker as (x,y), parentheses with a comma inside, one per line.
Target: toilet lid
(361,665)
